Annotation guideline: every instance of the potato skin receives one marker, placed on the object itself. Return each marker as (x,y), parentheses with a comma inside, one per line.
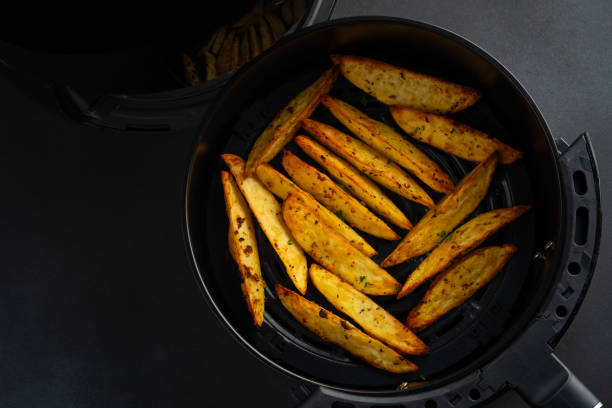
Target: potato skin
(463,239)
(458,283)
(334,252)
(242,244)
(393,85)
(342,333)
(452,137)
(448,213)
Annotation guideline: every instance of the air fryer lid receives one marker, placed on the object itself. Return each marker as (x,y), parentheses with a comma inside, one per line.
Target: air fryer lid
(465,339)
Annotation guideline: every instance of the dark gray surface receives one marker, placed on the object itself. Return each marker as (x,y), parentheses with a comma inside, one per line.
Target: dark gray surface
(97,307)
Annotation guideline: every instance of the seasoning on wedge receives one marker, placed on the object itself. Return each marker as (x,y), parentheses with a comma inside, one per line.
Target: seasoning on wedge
(354,181)
(394,85)
(268,213)
(448,213)
(335,198)
(463,239)
(369,161)
(452,137)
(457,284)
(375,320)
(390,143)
(342,333)
(243,248)
(287,122)
(281,186)
(334,252)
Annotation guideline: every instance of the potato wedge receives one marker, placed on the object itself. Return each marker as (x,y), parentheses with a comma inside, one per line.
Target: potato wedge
(342,333)
(267,39)
(245,54)
(287,13)
(358,184)
(335,198)
(393,85)
(191,72)
(390,143)
(281,186)
(369,161)
(458,283)
(334,252)
(254,42)
(276,25)
(287,122)
(268,213)
(463,239)
(219,38)
(235,60)
(448,213)
(243,247)
(226,53)
(452,137)
(211,65)
(376,321)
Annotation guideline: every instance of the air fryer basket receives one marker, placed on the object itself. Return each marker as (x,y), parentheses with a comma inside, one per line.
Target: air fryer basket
(524,309)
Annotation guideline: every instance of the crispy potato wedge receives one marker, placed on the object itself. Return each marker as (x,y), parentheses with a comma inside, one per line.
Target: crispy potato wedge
(458,283)
(334,252)
(276,24)
(342,333)
(211,65)
(335,198)
(287,13)
(452,137)
(375,320)
(267,39)
(390,143)
(235,61)
(463,239)
(448,213)
(243,247)
(219,38)
(254,42)
(281,186)
(369,161)
(226,53)
(191,72)
(287,122)
(245,54)
(393,85)
(268,213)
(358,184)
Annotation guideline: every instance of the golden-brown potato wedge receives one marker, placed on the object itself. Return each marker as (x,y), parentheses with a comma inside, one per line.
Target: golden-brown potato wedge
(452,137)
(243,247)
(211,65)
(287,13)
(281,186)
(342,333)
(358,184)
(335,198)
(448,213)
(458,283)
(369,161)
(191,72)
(334,252)
(375,320)
(219,38)
(398,86)
(276,24)
(390,143)
(226,53)
(463,239)
(268,213)
(267,38)
(245,54)
(235,60)
(254,42)
(287,122)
